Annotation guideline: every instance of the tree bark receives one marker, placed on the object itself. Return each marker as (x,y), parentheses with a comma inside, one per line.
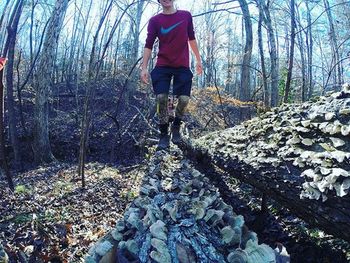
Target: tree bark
(309,51)
(80,58)
(3,157)
(262,153)
(34,3)
(19,96)
(1,21)
(12,35)
(229,72)
(71,64)
(137,23)
(272,50)
(41,142)
(335,49)
(262,60)
(333,215)
(303,90)
(244,91)
(291,53)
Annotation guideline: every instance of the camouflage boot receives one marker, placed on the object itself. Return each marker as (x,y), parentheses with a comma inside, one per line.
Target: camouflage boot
(175,131)
(164,138)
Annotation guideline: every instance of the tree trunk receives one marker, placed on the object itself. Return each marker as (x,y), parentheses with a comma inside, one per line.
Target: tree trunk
(41,143)
(244,91)
(303,91)
(334,43)
(332,216)
(85,125)
(19,96)
(12,35)
(309,51)
(262,60)
(80,59)
(1,21)
(272,154)
(135,46)
(229,72)
(291,53)
(323,63)
(273,54)
(34,3)
(210,57)
(70,70)
(3,157)
(94,69)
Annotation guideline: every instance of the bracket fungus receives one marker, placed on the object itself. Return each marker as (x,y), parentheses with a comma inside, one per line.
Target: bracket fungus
(174,227)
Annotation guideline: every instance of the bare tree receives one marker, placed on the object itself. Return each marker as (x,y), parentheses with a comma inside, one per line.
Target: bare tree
(92,75)
(1,22)
(94,69)
(10,50)
(309,49)
(3,158)
(136,21)
(303,65)
(41,141)
(334,45)
(31,50)
(82,48)
(211,34)
(245,73)
(262,59)
(229,87)
(273,55)
(291,53)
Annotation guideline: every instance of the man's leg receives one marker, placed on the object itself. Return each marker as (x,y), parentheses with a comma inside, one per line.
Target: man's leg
(161,77)
(182,88)
(179,113)
(162,110)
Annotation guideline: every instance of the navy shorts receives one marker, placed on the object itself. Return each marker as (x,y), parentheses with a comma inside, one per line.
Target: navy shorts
(161,78)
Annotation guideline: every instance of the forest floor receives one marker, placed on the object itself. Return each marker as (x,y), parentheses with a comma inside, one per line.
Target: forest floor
(51,218)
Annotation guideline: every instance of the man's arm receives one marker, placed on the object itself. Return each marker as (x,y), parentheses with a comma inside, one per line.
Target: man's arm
(144,71)
(194,47)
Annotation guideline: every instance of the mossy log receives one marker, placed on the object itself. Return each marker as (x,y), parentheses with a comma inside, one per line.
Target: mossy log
(299,155)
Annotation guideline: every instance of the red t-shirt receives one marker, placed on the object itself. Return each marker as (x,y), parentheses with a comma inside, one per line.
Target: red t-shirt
(173,31)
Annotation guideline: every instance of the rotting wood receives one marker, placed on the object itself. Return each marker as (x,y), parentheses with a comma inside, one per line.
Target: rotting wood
(281,179)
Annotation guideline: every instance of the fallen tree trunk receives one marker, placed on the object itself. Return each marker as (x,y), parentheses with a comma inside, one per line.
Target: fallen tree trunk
(298,155)
(179,217)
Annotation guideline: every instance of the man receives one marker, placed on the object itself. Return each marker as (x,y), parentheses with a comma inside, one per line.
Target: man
(174,29)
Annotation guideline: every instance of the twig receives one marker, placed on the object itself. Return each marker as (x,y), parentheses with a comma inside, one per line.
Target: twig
(126,127)
(133,138)
(221,104)
(145,119)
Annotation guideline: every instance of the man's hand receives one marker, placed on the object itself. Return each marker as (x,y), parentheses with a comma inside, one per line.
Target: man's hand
(2,63)
(144,76)
(194,47)
(199,68)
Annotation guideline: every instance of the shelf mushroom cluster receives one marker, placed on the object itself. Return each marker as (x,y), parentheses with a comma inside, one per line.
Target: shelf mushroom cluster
(180,217)
(313,136)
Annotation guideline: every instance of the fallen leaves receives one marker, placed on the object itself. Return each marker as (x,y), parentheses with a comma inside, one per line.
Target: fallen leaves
(51,218)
